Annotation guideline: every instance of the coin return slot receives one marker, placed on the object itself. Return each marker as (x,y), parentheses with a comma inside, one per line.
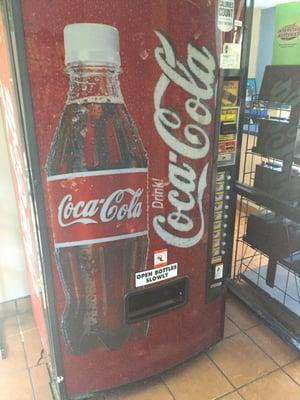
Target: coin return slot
(148,303)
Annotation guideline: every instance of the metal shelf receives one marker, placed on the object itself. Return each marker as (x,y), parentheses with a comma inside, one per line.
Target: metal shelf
(291,262)
(266,281)
(285,208)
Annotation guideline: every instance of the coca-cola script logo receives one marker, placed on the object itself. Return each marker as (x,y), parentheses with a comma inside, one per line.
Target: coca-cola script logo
(196,77)
(120,205)
(289,32)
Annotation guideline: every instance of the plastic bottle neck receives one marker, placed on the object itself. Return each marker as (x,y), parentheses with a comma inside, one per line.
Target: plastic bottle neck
(94,84)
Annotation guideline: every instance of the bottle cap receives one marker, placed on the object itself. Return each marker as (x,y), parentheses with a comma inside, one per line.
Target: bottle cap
(91,44)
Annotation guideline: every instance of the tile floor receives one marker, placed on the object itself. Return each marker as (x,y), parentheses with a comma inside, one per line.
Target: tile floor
(251,363)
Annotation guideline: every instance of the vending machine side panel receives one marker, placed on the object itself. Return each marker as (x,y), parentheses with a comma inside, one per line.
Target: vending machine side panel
(21,183)
(15,104)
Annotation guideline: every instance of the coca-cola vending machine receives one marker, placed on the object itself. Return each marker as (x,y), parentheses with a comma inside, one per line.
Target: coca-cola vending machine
(121,120)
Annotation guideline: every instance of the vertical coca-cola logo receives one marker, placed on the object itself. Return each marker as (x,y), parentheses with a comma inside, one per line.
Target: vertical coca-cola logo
(187,142)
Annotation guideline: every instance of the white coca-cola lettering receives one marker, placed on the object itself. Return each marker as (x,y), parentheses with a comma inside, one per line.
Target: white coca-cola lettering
(119,205)
(131,210)
(191,141)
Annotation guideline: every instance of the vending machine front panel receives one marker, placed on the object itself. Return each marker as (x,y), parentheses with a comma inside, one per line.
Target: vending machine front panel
(124,100)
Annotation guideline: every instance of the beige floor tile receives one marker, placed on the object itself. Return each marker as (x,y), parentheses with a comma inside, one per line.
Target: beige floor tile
(198,379)
(241,360)
(33,347)
(241,315)
(7,309)
(150,389)
(230,328)
(26,321)
(276,386)
(272,345)
(15,386)
(232,396)
(11,326)
(15,359)
(294,370)
(40,380)
(24,305)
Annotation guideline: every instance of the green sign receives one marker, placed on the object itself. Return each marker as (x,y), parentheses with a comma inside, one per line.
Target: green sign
(286,46)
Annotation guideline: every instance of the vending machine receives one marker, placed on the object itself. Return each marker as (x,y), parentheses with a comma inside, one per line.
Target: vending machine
(121,121)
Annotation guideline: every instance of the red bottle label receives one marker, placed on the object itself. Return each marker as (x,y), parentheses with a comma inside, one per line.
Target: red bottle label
(98,206)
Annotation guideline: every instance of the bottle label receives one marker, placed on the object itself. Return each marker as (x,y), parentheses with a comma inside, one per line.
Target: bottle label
(98,206)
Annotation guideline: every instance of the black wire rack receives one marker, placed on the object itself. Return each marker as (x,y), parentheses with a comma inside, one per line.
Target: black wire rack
(279,302)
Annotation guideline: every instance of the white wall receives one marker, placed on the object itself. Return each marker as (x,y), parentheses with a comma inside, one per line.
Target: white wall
(254,42)
(13,281)
(265,45)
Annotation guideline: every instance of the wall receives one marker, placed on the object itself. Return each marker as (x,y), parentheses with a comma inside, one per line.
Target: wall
(286,48)
(254,42)
(13,282)
(265,45)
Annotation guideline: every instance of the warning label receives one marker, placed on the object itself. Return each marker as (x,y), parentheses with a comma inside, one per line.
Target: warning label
(161,258)
(219,272)
(155,275)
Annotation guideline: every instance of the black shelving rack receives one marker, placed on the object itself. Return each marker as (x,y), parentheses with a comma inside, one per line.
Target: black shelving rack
(267,282)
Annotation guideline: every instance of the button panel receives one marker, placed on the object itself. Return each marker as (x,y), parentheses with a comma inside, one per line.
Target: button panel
(220,226)
(225,164)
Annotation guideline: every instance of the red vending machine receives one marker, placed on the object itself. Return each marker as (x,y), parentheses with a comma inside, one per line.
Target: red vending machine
(111,111)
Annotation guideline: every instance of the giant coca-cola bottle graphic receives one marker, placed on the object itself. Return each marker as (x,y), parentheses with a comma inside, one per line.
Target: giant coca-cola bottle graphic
(97,188)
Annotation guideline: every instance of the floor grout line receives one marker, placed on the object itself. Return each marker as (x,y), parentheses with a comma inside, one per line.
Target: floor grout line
(28,371)
(245,331)
(235,389)
(228,394)
(25,354)
(286,373)
(280,367)
(167,387)
(258,378)
(31,384)
(224,395)
(20,328)
(243,398)
(222,372)
(242,329)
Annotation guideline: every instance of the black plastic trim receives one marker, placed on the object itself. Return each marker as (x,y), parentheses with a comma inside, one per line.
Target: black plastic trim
(150,302)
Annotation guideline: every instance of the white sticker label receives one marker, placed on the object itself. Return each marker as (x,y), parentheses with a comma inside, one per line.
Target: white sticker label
(225,157)
(231,56)
(217,284)
(238,23)
(155,275)
(225,15)
(160,258)
(219,271)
